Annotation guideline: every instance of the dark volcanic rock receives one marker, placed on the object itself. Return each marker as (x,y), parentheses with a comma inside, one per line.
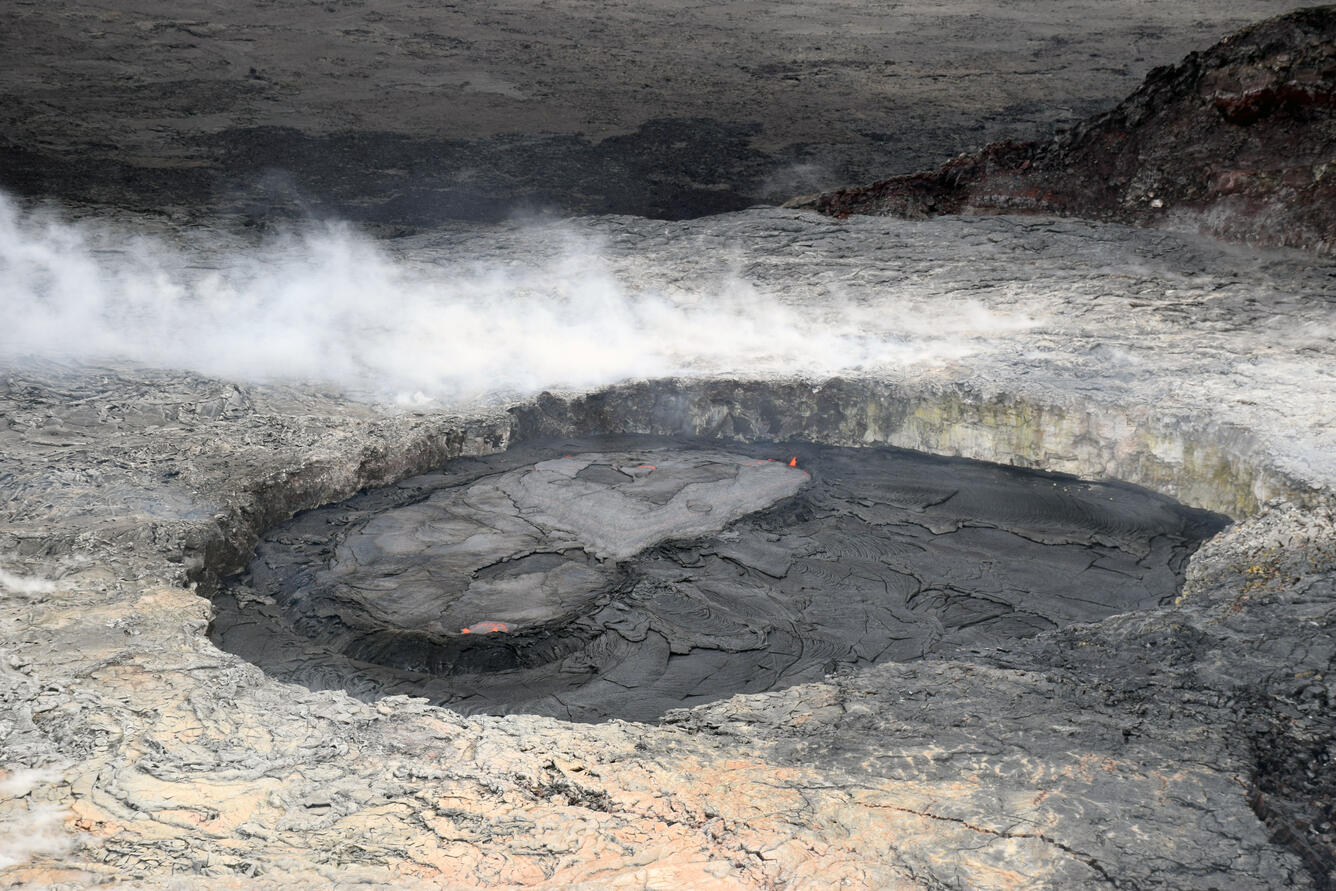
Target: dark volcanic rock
(665,169)
(1239,141)
(1209,665)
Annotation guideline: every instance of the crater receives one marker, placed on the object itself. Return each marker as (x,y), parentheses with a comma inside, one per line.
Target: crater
(623,575)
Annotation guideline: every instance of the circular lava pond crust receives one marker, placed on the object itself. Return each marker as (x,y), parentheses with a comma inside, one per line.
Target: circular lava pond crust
(624,576)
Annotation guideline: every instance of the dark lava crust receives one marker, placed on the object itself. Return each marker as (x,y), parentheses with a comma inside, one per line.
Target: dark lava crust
(620,596)
(668,169)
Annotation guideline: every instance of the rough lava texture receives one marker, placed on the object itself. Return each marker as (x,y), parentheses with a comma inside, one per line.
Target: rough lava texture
(408,113)
(1186,746)
(1238,141)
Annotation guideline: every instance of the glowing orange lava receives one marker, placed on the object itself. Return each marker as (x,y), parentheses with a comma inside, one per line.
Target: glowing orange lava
(485,628)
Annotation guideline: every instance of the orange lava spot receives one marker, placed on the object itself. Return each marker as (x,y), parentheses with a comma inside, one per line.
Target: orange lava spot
(650,466)
(485,628)
(793,462)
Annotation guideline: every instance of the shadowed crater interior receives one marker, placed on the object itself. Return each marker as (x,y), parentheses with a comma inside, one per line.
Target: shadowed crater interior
(624,576)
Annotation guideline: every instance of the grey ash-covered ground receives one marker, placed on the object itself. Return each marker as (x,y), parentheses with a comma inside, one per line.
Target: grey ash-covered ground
(623,577)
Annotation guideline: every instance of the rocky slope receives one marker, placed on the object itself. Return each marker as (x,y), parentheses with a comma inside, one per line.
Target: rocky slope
(1238,141)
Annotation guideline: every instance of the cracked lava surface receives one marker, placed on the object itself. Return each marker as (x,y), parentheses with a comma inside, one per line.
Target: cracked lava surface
(623,577)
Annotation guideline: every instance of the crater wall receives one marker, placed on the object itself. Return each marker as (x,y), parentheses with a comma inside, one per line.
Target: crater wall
(1217,467)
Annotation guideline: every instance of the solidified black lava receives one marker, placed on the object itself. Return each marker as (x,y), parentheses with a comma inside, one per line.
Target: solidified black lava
(625,576)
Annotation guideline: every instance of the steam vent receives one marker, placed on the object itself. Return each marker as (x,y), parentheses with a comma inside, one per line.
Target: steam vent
(882,446)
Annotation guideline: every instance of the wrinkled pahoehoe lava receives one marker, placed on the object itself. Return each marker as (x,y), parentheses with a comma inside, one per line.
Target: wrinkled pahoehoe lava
(638,574)
(1238,141)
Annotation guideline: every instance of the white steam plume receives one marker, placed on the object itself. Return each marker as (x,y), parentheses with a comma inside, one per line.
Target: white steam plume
(24,586)
(24,780)
(40,830)
(329,305)
(30,829)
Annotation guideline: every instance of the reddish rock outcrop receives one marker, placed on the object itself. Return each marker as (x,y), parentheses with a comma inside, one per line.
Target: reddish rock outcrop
(1238,141)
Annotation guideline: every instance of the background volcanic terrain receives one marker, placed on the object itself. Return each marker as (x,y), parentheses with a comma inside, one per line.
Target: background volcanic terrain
(1238,141)
(411,113)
